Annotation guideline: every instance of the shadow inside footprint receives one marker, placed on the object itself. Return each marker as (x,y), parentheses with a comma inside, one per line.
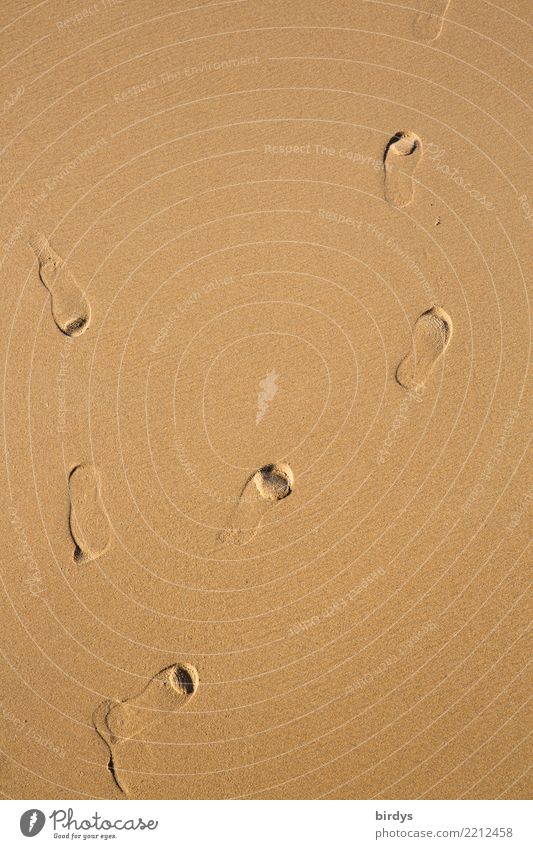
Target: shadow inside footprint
(430,18)
(88,523)
(264,488)
(400,158)
(431,336)
(70,309)
(119,722)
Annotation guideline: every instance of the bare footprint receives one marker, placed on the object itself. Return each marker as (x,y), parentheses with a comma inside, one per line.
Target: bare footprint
(430,18)
(89,527)
(70,309)
(400,159)
(431,336)
(118,722)
(262,490)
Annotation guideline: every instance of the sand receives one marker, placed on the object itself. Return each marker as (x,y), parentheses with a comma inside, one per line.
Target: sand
(265,337)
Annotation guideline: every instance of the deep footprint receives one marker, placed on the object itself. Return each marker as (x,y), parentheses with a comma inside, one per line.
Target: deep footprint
(118,722)
(262,490)
(400,159)
(70,309)
(430,18)
(89,527)
(431,336)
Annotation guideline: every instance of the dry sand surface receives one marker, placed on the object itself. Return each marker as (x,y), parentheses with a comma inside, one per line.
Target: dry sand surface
(265,337)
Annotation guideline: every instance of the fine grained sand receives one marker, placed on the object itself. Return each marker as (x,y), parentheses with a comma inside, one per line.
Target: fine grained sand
(265,338)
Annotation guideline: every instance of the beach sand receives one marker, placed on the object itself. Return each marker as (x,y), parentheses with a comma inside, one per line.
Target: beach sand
(265,340)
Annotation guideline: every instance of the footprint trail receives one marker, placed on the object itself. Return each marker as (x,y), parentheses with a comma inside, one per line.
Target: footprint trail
(118,722)
(430,18)
(263,489)
(431,336)
(70,309)
(400,159)
(89,527)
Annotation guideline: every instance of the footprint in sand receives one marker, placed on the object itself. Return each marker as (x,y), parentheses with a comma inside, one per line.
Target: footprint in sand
(70,309)
(118,722)
(430,18)
(89,527)
(400,159)
(263,489)
(431,336)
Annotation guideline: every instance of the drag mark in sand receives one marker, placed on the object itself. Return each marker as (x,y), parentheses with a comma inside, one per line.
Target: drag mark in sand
(89,527)
(430,18)
(263,489)
(431,336)
(70,309)
(118,722)
(268,389)
(400,159)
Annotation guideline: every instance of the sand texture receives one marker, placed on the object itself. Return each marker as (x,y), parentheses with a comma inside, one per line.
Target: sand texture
(266,405)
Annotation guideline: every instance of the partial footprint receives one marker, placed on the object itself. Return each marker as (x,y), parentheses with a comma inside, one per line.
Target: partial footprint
(70,309)
(400,159)
(118,722)
(431,336)
(89,527)
(430,18)
(262,490)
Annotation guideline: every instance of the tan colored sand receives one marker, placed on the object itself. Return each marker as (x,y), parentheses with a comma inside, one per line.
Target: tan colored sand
(211,176)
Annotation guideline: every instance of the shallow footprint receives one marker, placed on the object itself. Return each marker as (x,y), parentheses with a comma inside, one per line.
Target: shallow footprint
(89,527)
(118,722)
(400,159)
(70,309)
(262,490)
(431,336)
(430,18)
